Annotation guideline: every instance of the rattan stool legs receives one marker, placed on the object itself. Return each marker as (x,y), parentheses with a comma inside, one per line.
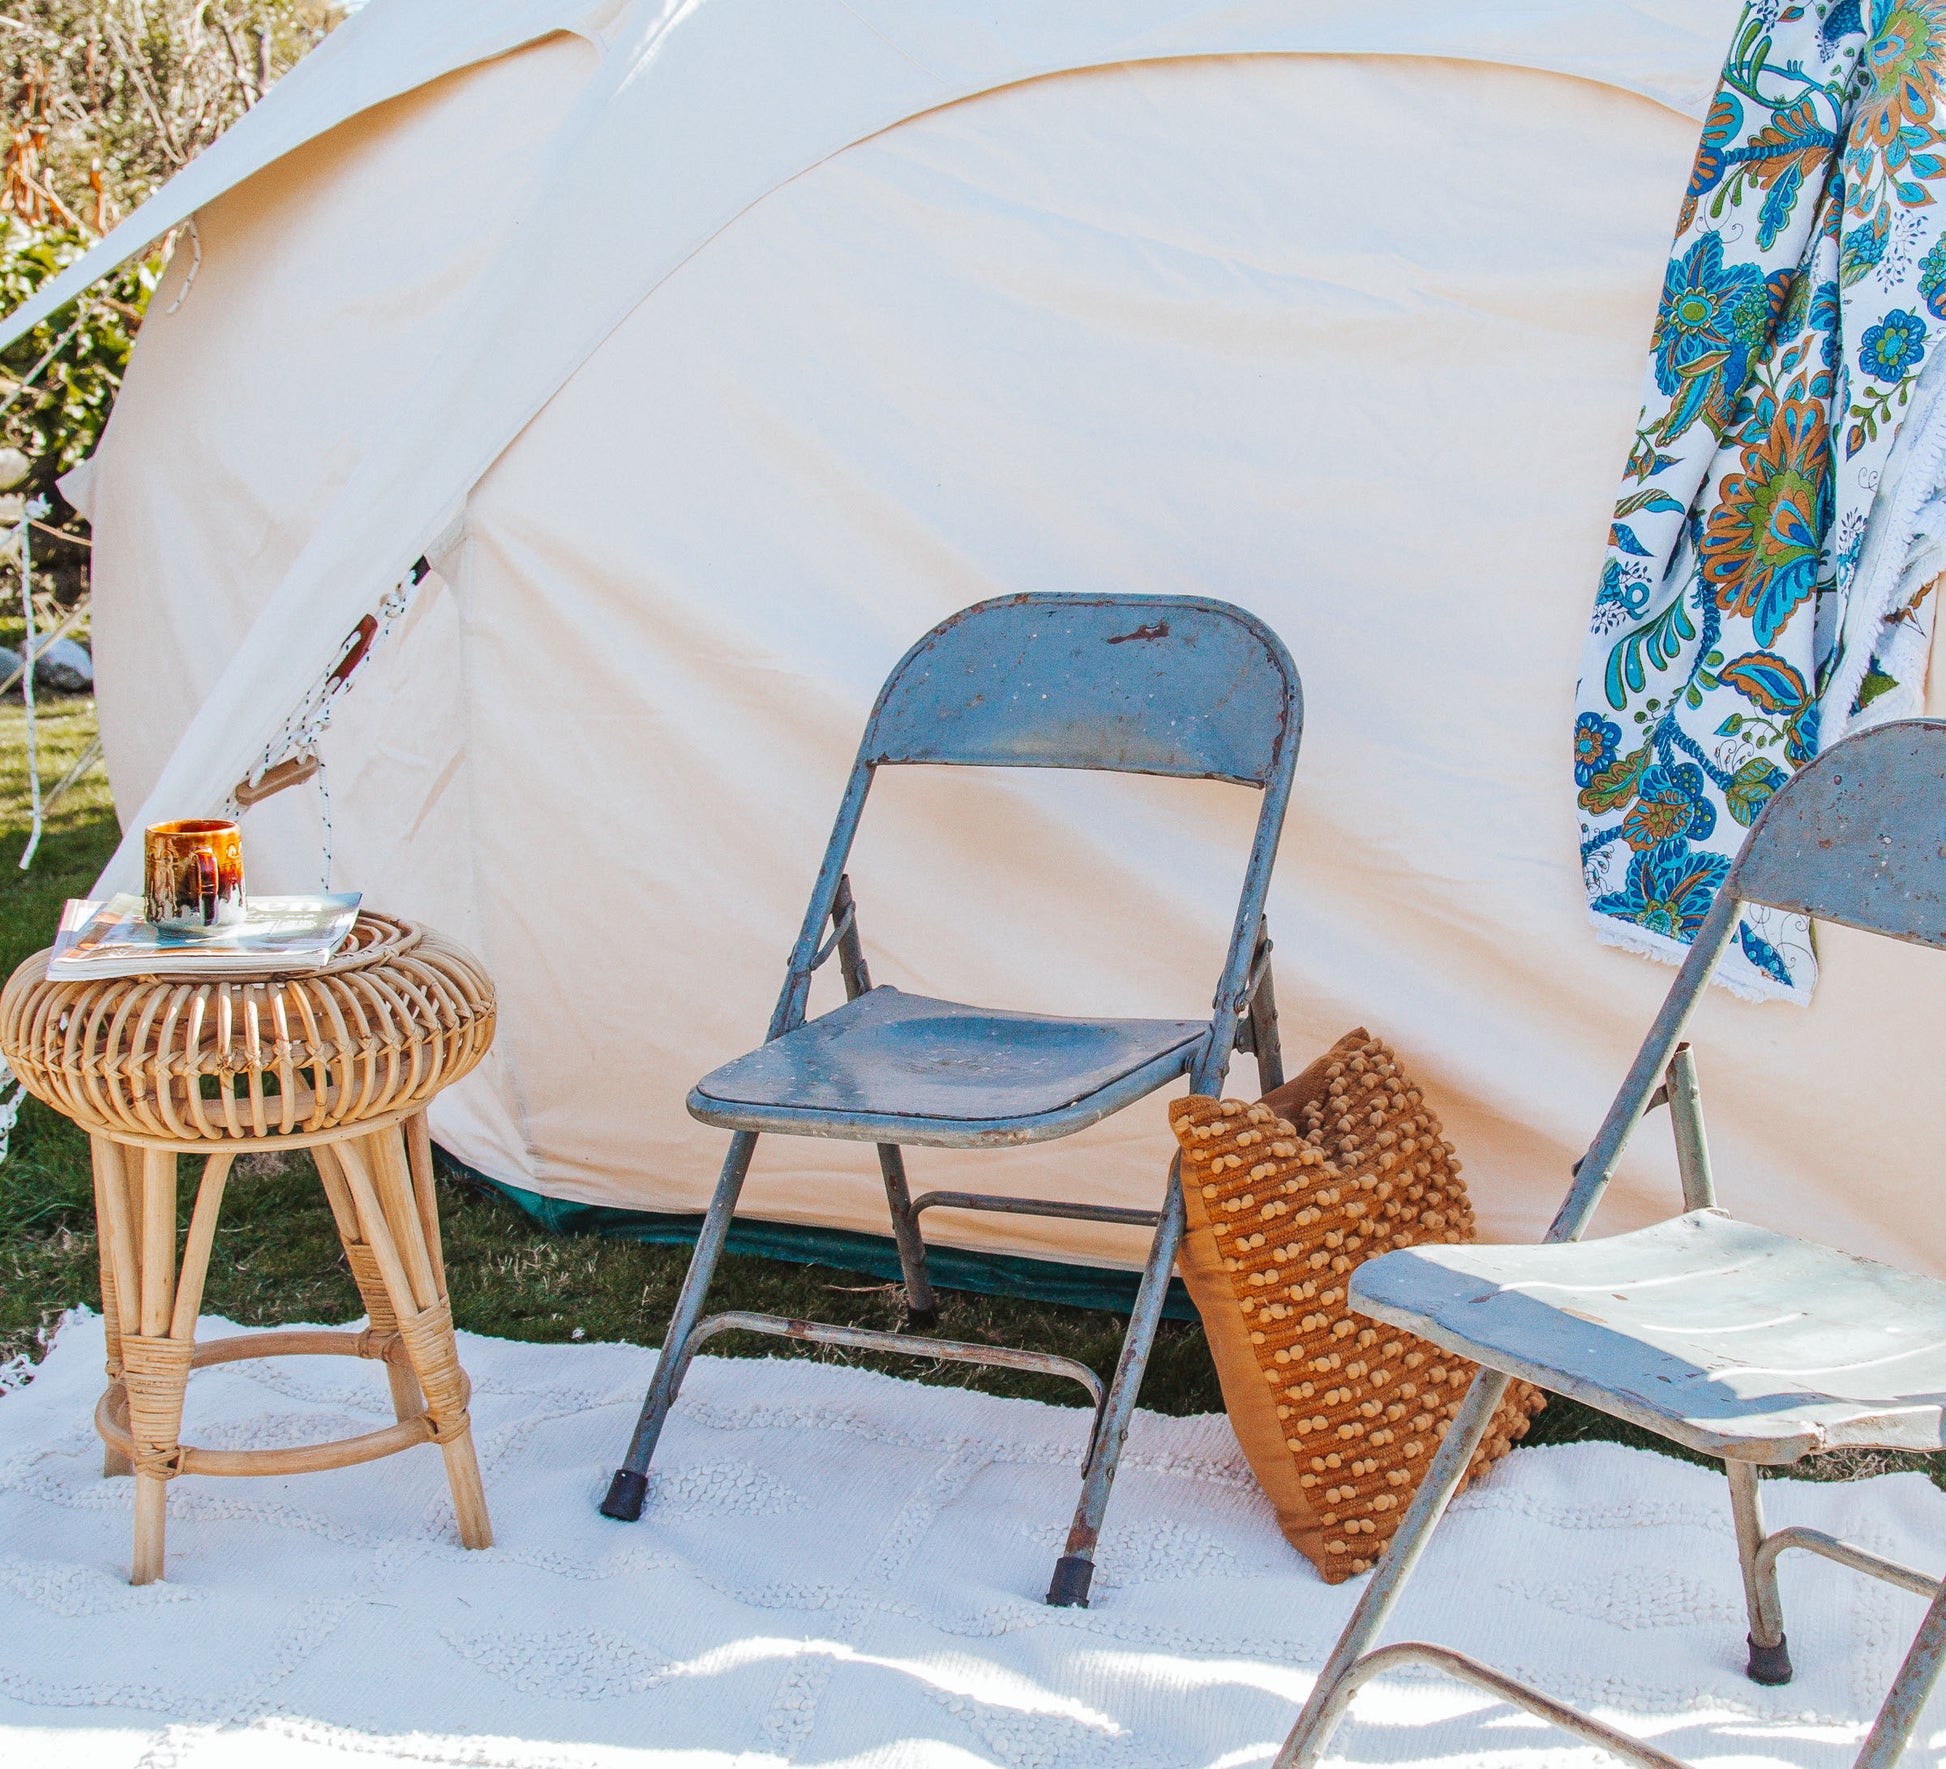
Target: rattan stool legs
(378,1179)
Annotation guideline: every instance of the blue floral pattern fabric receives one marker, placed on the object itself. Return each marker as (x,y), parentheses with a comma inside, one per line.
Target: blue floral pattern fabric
(1805,292)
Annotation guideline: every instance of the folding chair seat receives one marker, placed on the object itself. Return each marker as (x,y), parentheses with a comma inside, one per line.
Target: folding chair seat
(1124,684)
(1729,1338)
(1739,1342)
(889,1066)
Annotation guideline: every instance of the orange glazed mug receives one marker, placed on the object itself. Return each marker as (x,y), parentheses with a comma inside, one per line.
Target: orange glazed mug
(194,873)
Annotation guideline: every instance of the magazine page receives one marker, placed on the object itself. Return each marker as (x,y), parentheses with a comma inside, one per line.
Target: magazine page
(277,933)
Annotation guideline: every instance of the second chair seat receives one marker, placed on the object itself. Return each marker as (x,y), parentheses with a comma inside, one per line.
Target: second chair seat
(1730,1338)
(895,1067)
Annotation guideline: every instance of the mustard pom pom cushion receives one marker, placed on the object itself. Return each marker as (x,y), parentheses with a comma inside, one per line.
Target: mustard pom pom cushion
(1337,1414)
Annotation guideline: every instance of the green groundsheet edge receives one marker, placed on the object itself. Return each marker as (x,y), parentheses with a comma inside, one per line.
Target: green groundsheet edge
(988,1274)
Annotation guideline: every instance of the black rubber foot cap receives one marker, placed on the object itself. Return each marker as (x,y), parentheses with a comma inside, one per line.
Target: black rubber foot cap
(922,1320)
(625,1495)
(1770,1665)
(1073,1574)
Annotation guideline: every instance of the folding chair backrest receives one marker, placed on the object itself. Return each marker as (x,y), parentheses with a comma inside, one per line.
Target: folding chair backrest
(1859,836)
(1127,684)
(1133,684)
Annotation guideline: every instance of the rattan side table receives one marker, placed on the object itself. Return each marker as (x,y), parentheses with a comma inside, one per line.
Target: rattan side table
(340,1061)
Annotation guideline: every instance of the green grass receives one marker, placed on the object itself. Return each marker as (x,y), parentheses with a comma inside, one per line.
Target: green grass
(277,1256)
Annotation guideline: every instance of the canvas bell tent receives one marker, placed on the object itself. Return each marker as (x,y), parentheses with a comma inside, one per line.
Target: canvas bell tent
(712,352)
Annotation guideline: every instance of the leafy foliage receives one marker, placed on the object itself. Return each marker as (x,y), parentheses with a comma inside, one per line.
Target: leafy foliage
(104,99)
(57,420)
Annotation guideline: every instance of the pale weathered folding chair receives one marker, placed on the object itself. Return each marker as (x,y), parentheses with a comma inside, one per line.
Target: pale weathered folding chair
(1128,684)
(1738,1342)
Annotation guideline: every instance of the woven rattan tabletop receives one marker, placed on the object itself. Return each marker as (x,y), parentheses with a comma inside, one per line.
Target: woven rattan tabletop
(401,1013)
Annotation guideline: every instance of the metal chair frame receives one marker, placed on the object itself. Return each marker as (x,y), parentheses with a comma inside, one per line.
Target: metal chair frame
(1176,686)
(1855,838)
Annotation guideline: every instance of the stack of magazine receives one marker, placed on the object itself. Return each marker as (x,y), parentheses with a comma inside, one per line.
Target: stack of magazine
(276,934)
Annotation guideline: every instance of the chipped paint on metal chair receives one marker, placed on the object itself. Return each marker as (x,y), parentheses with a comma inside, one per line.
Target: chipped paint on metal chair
(1736,1341)
(1131,684)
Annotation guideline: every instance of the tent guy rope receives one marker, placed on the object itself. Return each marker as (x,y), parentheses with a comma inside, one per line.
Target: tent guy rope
(294,755)
(33,512)
(40,368)
(24,552)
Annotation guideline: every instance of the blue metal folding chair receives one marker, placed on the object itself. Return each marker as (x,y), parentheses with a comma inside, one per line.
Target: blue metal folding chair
(1127,684)
(1743,1344)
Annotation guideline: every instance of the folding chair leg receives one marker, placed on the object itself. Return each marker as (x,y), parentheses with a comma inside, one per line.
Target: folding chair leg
(1075,1570)
(1770,1657)
(1692,1141)
(1332,1692)
(921,1307)
(630,1486)
(1264,1039)
(1910,1688)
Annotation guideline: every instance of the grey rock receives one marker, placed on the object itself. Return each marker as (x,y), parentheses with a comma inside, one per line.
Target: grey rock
(65,667)
(9,662)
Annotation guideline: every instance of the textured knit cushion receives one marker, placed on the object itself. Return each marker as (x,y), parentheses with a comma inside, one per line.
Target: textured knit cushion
(1337,1414)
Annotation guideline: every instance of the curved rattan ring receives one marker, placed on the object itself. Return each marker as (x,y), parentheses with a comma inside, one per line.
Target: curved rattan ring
(112,1410)
(401,1013)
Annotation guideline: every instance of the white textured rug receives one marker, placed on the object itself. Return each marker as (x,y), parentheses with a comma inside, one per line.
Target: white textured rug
(840,1568)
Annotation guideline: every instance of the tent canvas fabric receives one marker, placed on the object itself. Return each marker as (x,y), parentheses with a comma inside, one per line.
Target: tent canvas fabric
(714,351)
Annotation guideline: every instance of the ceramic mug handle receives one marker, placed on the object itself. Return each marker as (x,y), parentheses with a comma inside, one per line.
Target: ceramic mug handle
(206,884)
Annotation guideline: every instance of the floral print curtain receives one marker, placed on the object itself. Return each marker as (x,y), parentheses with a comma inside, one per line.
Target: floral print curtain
(1804,293)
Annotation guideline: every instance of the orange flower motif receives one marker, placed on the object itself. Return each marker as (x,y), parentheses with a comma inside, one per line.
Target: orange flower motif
(1799,139)
(1906,61)
(1765,537)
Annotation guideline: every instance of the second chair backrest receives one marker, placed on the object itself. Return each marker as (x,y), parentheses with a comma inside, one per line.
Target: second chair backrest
(1859,836)
(1135,684)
